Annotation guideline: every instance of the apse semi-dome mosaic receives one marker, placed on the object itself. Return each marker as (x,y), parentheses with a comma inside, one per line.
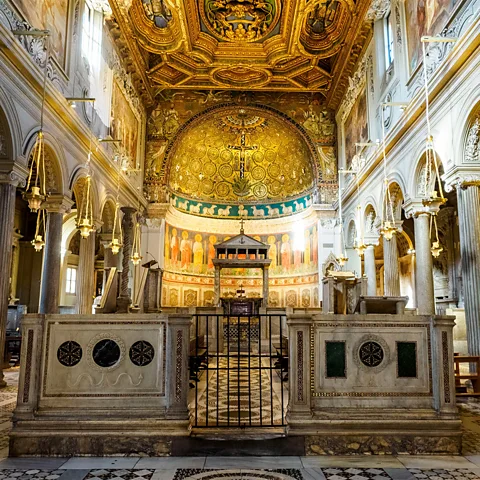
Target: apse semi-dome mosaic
(240,155)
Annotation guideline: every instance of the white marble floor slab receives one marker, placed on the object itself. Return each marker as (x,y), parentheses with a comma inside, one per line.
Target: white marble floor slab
(435,461)
(163,463)
(100,462)
(378,461)
(37,463)
(253,462)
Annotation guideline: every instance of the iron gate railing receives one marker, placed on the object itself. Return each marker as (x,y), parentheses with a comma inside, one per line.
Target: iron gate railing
(238,371)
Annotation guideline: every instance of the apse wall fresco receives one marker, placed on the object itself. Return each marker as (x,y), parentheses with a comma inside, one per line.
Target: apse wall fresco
(425,17)
(291,253)
(51,15)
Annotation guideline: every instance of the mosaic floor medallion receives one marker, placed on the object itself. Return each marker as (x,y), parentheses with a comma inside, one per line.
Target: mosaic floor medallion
(243,474)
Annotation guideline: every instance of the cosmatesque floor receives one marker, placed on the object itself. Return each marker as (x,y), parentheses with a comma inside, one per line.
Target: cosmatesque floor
(403,467)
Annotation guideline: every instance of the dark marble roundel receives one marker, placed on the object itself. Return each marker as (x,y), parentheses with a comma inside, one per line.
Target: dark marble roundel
(106,353)
(69,353)
(141,353)
(371,354)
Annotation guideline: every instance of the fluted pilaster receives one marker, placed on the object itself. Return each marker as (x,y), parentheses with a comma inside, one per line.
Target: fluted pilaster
(469,223)
(391,271)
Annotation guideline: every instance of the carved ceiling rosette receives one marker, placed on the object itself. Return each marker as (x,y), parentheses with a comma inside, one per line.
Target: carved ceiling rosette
(240,21)
(325,26)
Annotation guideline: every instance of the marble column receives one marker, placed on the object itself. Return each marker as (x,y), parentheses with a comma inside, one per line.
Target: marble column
(370,270)
(124,300)
(391,270)
(85,275)
(424,265)
(52,255)
(8,187)
(469,223)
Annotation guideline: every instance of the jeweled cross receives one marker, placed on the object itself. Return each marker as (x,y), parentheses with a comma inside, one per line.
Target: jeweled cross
(242,221)
(242,149)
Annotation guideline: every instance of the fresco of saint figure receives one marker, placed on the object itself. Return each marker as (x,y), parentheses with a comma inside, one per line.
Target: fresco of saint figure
(272,252)
(185,250)
(212,240)
(174,246)
(286,251)
(198,253)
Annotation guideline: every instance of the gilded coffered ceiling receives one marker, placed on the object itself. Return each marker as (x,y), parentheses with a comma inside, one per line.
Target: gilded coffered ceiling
(271,45)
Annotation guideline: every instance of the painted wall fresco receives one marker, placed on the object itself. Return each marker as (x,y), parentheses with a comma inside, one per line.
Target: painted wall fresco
(51,15)
(291,253)
(274,210)
(124,124)
(356,126)
(424,17)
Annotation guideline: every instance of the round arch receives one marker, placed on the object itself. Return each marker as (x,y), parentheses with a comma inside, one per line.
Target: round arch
(10,129)
(75,184)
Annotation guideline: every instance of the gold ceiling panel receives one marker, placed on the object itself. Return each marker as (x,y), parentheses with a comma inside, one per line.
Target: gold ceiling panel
(289,45)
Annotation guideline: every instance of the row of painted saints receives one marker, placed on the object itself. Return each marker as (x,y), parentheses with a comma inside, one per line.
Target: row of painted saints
(192,252)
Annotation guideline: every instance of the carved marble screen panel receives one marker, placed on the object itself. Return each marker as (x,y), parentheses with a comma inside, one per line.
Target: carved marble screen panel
(424,17)
(356,126)
(124,124)
(51,15)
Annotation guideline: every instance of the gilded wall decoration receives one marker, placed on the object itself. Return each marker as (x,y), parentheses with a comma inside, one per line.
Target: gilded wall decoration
(291,298)
(51,15)
(158,12)
(291,253)
(190,298)
(175,110)
(124,125)
(233,21)
(220,161)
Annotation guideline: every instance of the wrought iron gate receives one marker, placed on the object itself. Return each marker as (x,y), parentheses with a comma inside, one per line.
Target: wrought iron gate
(238,371)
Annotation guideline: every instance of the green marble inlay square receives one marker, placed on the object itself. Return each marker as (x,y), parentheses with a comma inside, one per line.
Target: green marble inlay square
(407,359)
(335,359)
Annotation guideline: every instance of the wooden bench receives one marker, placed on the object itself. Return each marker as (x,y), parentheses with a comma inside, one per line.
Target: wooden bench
(474,377)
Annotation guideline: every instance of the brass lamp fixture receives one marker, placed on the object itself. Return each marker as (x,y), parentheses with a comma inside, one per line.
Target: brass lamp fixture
(342,259)
(116,242)
(387,228)
(85,218)
(36,192)
(136,256)
(433,200)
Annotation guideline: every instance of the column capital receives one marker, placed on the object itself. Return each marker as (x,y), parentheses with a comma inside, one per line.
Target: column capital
(461,177)
(58,203)
(14,178)
(156,212)
(128,211)
(414,207)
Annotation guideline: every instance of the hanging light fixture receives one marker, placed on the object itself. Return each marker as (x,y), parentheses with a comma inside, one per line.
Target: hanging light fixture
(359,244)
(38,242)
(342,258)
(388,228)
(116,242)
(85,215)
(136,257)
(433,200)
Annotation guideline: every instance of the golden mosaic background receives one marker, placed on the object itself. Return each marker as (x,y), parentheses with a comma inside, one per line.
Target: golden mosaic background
(203,166)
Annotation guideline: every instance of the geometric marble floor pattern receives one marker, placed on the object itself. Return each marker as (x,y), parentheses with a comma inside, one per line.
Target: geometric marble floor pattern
(200,474)
(240,393)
